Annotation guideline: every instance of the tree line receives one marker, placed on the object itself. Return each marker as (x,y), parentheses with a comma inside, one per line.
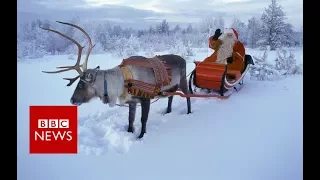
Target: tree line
(258,32)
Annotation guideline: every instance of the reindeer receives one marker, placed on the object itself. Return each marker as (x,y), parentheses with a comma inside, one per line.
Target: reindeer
(109,85)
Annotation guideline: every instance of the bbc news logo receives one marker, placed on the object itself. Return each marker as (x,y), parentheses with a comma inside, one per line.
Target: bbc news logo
(45,135)
(53,129)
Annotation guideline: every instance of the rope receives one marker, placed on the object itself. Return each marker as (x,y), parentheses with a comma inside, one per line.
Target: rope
(189,74)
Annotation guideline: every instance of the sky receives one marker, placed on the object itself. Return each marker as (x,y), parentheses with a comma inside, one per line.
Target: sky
(180,11)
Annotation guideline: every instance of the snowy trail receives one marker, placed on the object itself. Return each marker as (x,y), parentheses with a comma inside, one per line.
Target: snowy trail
(261,139)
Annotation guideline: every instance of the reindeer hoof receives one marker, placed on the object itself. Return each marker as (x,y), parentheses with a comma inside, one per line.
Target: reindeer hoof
(141,135)
(131,129)
(168,111)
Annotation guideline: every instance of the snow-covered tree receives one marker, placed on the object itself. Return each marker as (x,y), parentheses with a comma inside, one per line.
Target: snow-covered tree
(128,32)
(102,36)
(151,30)
(34,42)
(189,29)
(182,48)
(288,36)
(163,28)
(273,26)
(116,32)
(263,70)
(68,31)
(219,23)
(241,28)
(254,27)
(21,52)
(286,63)
(124,47)
(207,25)
(176,29)
(297,38)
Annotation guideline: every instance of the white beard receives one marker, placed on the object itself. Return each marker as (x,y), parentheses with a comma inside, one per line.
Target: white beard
(225,49)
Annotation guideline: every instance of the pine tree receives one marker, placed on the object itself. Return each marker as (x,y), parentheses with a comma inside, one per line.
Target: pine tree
(241,28)
(219,23)
(289,36)
(176,29)
(286,63)
(263,70)
(101,36)
(254,28)
(189,29)
(273,26)
(207,25)
(163,28)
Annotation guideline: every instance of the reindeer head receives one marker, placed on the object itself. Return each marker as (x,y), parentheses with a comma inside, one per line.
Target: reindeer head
(85,89)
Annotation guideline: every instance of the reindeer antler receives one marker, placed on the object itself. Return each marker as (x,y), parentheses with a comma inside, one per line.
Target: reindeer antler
(80,48)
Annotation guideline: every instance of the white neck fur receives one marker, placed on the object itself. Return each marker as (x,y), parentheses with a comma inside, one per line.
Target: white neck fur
(115,85)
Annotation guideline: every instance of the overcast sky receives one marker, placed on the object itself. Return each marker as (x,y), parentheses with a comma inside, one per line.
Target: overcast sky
(173,10)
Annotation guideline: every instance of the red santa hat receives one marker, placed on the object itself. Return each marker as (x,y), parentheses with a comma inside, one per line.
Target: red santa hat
(232,31)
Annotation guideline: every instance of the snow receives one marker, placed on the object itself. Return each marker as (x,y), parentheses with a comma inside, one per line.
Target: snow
(255,134)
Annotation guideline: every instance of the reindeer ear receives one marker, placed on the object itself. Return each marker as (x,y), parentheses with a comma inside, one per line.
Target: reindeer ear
(88,77)
(97,68)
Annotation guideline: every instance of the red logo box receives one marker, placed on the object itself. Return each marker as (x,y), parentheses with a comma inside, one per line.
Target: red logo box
(53,129)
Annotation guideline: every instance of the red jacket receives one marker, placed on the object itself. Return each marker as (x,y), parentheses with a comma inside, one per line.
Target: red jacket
(238,55)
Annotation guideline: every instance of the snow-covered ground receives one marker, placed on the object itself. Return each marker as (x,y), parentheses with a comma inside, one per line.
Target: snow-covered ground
(256,134)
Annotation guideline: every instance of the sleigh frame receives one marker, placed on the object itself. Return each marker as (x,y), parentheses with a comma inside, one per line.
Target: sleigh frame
(216,77)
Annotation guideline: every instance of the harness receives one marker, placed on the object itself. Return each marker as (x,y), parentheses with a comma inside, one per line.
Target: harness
(126,74)
(162,74)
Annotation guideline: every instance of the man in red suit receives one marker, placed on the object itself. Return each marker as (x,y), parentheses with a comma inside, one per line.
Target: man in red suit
(230,51)
(236,60)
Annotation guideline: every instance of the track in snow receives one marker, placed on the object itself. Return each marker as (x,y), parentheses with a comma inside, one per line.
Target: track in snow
(107,131)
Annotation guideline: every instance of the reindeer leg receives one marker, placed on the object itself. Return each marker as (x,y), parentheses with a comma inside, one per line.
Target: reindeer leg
(169,104)
(185,90)
(170,98)
(132,115)
(145,107)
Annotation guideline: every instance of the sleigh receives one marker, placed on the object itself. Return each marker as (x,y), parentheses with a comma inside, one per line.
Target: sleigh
(210,79)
